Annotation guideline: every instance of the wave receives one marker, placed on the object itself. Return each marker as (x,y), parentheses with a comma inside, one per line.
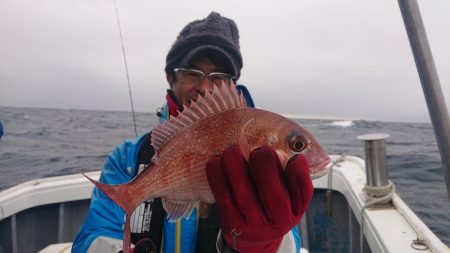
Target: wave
(341,123)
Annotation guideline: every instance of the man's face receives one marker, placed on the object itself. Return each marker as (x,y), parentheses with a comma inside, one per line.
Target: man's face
(186,91)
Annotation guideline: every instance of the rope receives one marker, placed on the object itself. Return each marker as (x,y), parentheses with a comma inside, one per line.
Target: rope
(374,195)
(126,65)
(329,191)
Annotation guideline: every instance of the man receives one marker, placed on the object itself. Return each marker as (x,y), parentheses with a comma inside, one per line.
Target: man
(250,215)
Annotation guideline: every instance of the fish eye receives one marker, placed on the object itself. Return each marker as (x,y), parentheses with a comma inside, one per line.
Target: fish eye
(298,143)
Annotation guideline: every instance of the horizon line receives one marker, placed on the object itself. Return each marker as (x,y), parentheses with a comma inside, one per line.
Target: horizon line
(287,115)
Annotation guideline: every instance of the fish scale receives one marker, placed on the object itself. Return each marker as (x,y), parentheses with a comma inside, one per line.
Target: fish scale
(206,127)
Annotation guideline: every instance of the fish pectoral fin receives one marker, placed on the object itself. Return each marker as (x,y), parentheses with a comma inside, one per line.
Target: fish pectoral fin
(247,141)
(243,142)
(178,209)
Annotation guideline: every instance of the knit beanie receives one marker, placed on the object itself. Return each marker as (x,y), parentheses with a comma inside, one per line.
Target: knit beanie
(215,34)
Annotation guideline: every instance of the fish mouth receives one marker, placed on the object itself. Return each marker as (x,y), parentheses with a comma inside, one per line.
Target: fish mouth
(320,169)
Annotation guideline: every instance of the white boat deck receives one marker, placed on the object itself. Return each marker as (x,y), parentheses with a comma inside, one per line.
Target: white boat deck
(390,228)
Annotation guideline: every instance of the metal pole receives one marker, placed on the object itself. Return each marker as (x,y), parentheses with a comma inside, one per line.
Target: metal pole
(375,156)
(430,81)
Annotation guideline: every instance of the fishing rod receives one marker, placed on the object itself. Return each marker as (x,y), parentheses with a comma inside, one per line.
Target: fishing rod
(126,66)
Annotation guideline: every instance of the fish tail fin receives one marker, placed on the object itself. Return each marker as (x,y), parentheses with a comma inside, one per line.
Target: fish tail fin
(120,195)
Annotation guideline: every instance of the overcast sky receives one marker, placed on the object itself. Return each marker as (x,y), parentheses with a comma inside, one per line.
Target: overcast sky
(346,58)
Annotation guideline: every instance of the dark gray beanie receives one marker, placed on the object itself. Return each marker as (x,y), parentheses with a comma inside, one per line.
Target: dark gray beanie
(214,33)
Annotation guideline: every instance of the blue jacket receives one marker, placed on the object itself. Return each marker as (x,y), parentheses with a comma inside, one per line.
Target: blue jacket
(105,218)
(1,130)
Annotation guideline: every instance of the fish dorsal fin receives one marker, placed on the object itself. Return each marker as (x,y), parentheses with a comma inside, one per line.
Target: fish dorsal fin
(223,98)
(178,209)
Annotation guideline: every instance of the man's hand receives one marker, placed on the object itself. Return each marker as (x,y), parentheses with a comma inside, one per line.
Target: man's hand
(258,202)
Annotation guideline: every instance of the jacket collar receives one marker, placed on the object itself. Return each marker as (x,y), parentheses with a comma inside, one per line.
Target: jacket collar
(173,104)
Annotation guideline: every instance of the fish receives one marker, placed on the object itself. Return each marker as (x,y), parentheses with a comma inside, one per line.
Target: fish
(204,129)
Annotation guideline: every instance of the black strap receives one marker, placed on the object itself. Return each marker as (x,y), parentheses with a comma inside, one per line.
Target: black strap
(146,152)
(207,232)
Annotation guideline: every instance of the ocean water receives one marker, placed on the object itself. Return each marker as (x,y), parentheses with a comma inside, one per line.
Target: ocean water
(41,143)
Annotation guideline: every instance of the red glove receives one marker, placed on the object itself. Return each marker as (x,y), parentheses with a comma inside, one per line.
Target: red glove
(258,202)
